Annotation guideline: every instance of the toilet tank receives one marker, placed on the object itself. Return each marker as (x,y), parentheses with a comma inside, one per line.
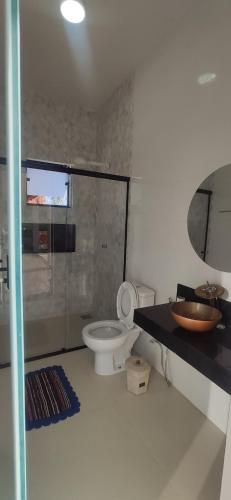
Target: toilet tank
(146,295)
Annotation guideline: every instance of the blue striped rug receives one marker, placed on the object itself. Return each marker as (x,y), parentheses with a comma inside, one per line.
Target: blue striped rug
(49,397)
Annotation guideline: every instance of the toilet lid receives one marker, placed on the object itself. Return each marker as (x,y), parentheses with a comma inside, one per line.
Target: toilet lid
(126,303)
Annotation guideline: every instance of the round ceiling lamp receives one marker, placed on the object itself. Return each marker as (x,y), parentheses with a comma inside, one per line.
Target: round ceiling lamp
(206,78)
(73,11)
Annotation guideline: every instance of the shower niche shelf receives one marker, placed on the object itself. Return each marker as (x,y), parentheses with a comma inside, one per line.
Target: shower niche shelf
(48,238)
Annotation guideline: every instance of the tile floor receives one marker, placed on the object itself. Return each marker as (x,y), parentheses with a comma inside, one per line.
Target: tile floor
(119,447)
(46,335)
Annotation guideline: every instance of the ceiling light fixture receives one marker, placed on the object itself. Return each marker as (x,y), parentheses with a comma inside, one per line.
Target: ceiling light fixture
(73,11)
(206,78)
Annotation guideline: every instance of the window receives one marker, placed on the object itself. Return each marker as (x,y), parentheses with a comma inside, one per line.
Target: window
(47,187)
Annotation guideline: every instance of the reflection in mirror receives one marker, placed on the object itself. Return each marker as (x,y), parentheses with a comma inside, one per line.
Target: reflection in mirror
(209,220)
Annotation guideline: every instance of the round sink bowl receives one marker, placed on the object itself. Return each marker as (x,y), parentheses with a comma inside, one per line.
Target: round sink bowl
(195,317)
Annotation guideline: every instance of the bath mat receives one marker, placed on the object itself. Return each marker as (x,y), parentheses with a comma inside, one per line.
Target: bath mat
(49,397)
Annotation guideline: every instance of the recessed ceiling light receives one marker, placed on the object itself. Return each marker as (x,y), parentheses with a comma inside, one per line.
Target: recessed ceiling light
(206,78)
(73,11)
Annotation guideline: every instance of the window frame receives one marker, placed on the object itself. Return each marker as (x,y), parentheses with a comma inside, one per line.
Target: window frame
(68,184)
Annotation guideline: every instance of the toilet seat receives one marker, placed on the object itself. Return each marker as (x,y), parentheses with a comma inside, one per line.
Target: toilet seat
(104,336)
(127,301)
(105,330)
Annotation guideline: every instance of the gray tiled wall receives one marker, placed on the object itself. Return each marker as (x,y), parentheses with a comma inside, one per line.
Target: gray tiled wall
(115,129)
(86,281)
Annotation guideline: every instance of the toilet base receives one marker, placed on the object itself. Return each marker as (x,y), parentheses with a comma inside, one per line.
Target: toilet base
(106,364)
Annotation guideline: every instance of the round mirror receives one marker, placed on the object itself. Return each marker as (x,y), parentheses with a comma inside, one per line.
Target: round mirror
(209,220)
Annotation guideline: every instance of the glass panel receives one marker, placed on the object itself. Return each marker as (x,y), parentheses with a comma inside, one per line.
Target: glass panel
(11,275)
(46,242)
(6,413)
(110,241)
(95,270)
(80,282)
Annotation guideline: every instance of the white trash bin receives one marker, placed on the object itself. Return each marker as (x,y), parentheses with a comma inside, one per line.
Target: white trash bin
(138,371)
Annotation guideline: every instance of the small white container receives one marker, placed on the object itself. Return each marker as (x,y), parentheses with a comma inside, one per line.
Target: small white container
(138,371)
(146,296)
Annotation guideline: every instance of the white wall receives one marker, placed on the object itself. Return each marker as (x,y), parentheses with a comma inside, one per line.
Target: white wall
(225,487)
(181,134)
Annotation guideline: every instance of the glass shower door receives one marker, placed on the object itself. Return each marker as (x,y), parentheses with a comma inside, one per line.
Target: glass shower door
(66,290)
(96,270)
(110,235)
(6,410)
(44,271)
(80,279)
(12,407)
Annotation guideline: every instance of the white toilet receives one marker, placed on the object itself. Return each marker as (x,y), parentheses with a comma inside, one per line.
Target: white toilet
(112,341)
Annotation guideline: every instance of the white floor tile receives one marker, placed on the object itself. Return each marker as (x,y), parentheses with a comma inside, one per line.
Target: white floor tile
(121,447)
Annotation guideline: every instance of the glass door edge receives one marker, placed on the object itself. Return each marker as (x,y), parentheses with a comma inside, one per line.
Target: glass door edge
(14,232)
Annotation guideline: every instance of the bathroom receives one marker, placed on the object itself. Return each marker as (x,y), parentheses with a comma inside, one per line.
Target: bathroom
(125,120)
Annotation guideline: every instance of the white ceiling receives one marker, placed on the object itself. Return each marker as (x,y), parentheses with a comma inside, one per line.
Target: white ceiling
(85,63)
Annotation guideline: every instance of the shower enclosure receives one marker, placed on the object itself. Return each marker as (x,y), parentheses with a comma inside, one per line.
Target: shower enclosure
(74,254)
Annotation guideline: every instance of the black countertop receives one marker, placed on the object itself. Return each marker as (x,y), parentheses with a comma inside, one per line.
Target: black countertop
(209,353)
